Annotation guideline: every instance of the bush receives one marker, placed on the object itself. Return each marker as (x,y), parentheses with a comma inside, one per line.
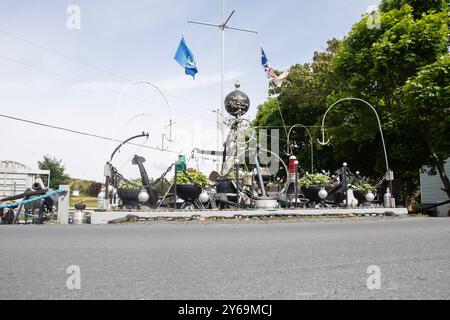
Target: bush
(314,179)
(364,187)
(130,185)
(192,176)
(94,189)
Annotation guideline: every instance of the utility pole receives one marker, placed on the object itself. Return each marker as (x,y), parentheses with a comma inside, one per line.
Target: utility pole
(223,26)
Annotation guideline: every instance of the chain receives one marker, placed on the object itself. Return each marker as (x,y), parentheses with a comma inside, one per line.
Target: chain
(163,176)
(117,177)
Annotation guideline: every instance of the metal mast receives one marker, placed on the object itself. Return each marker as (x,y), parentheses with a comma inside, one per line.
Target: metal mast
(222,26)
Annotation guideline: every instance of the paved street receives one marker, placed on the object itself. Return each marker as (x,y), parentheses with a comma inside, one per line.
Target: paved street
(229,260)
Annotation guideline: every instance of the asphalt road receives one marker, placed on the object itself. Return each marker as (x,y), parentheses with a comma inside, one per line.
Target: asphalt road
(273,260)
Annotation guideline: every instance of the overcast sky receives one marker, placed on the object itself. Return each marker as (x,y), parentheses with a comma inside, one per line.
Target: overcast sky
(42,80)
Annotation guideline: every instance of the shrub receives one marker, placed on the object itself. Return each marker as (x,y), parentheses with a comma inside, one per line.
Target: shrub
(130,185)
(314,179)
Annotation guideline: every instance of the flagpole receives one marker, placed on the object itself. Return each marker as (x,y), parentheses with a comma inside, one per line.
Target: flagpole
(222,95)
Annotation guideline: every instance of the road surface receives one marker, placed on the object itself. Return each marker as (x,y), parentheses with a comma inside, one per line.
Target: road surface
(228,260)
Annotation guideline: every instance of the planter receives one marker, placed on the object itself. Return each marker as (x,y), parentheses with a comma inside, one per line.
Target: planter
(80,206)
(360,196)
(129,197)
(188,192)
(226,186)
(312,192)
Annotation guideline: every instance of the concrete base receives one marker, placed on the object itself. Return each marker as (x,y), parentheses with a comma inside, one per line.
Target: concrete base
(105,217)
(443,211)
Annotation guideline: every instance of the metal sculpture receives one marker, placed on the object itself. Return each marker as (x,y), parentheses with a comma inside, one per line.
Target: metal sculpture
(139,161)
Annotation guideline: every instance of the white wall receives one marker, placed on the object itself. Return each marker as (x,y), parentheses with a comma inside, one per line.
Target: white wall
(431,186)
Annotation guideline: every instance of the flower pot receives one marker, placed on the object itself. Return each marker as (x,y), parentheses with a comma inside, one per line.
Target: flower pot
(80,206)
(312,192)
(360,196)
(129,197)
(188,192)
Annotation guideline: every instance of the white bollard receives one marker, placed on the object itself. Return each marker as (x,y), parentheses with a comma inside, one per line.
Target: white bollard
(63,205)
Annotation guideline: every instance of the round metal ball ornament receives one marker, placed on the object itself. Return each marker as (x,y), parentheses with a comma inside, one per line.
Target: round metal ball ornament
(237,102)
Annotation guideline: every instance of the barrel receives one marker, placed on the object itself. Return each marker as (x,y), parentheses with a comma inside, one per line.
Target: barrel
(79,217)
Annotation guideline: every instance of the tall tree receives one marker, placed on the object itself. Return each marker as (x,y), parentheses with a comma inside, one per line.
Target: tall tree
(427,97)
(302,100)
(376,63)
(57,171)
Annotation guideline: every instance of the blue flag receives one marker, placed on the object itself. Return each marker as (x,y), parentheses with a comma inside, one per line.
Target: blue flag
(186,59)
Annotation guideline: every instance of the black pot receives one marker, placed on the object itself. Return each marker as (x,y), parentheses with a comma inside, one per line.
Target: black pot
(226,186)
(360,196)
(188,192)
(312,192)
(129,197)
(80,206)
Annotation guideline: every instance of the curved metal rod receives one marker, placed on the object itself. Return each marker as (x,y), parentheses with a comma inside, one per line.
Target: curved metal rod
(272,153)
(323,142)
(143,134)
(253,136)
(289,150)
(137,116)
(119,103)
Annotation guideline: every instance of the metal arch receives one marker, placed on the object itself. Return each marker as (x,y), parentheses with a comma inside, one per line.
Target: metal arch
(143,134)
(322,129)
(119,102)
(137,116)
(267,151)
(289,150)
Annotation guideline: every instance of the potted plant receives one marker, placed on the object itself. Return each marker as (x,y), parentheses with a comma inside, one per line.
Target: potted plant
(128,192)
(312,183)
(190,184)
(361,189)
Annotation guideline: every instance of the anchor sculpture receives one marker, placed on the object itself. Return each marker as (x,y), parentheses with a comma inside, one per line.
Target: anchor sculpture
(153,197)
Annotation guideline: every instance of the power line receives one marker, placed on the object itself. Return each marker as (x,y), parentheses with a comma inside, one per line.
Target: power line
(75,79)
(59,53)
(87,83)
(88,65)
(81,133)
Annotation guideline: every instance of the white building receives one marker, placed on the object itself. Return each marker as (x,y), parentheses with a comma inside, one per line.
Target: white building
(16,178)
(431,190)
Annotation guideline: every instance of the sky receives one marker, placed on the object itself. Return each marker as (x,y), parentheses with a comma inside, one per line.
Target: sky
(73,77)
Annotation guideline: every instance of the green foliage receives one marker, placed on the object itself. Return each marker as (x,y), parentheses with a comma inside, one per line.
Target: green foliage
(188,177)
(85,187)
(420,6)
(94,189)
(397,68)
(57,171)
(130,185)
(427,97)
(364,186)
(302,99)
(314,179)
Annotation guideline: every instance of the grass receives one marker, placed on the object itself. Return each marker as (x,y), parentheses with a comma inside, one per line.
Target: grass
(90,202)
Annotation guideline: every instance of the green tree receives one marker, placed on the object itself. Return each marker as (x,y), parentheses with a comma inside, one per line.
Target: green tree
(375,64)
(302,99)
(57,171)
(427,97)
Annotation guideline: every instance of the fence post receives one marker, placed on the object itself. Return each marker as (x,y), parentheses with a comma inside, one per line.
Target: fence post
(63,205)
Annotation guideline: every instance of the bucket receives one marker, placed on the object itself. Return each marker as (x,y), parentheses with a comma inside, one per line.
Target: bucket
(79,217)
